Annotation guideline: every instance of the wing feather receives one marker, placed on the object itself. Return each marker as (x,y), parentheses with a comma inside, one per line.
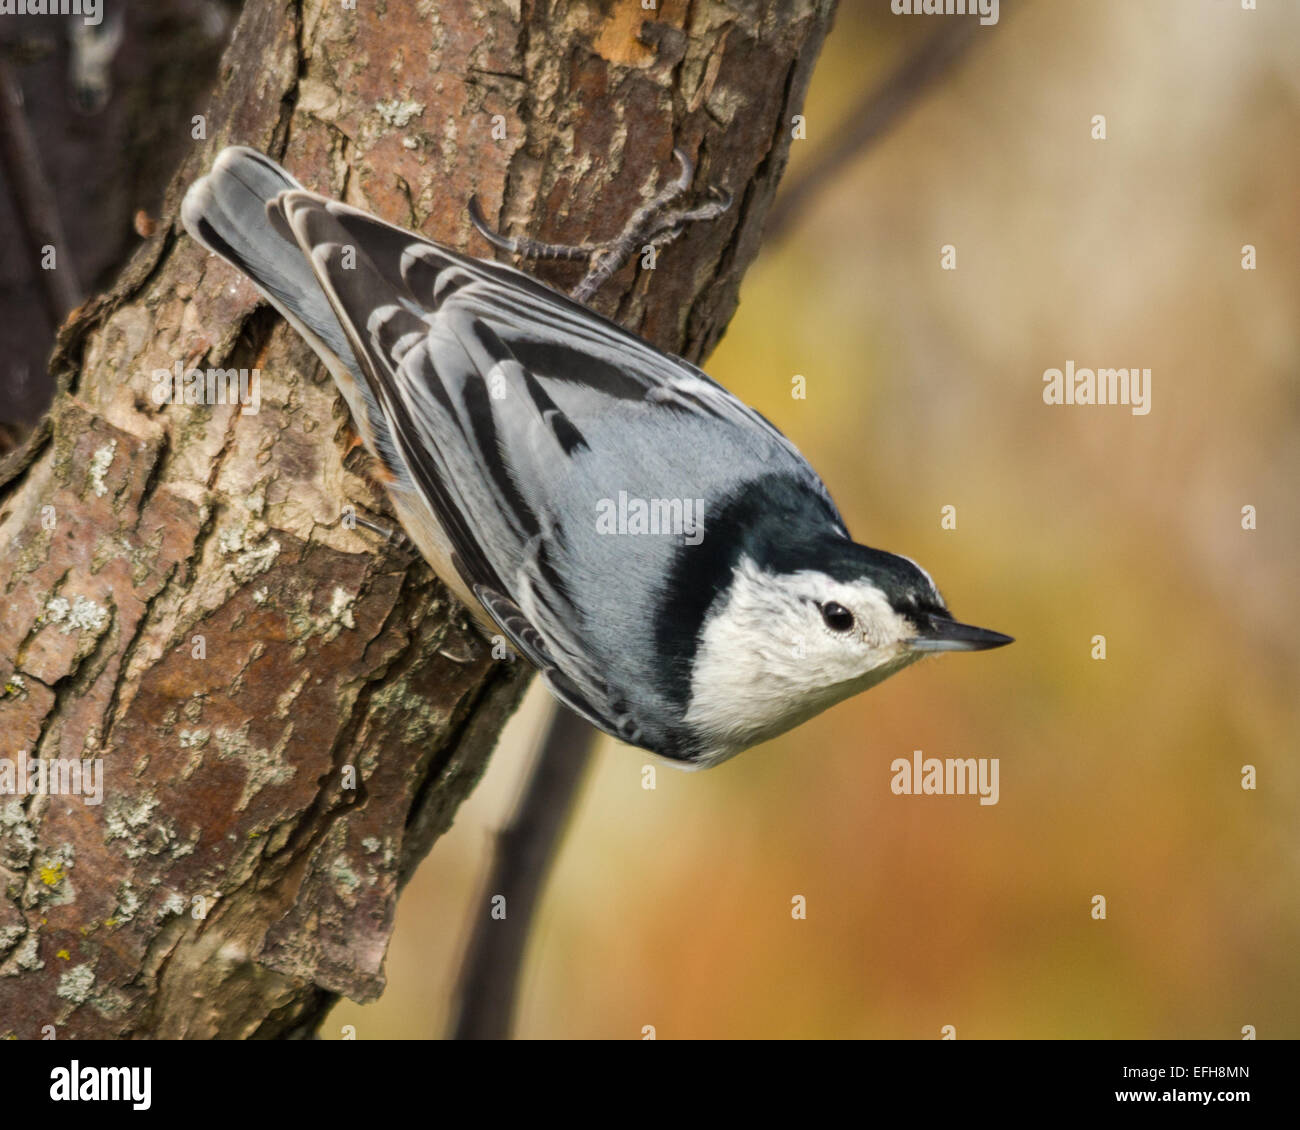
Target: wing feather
(455,350)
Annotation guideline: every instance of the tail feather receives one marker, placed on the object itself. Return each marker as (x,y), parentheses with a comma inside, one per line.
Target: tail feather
(236,211)
(230,212)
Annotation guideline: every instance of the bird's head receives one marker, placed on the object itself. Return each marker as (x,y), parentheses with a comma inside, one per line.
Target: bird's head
(809,626)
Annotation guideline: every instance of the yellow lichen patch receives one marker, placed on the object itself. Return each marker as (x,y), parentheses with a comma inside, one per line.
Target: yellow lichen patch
(52,874)
(64,955)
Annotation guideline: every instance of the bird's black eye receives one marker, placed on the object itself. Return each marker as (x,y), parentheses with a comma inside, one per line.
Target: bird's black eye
(837,617)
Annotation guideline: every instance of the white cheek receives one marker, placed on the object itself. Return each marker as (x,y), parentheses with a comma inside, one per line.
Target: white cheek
(879,626)
(768,661)
(882,630)
(822,658)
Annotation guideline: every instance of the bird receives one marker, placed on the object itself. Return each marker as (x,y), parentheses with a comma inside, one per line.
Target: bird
(505,418)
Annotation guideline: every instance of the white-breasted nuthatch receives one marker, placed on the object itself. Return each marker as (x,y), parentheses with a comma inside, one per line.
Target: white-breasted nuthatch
(508,417)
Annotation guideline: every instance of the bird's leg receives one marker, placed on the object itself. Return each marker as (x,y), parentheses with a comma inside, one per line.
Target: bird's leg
(656,224)
(392,535)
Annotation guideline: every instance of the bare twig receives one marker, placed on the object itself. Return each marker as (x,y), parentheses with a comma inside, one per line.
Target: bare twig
(874,113)
(490,972)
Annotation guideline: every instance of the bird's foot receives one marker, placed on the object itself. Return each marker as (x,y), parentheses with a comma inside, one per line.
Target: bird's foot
(655,224)
(392,535)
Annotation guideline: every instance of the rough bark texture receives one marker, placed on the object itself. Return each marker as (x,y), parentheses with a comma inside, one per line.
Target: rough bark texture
(231,883)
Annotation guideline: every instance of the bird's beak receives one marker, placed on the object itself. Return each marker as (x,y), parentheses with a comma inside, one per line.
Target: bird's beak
(941,633)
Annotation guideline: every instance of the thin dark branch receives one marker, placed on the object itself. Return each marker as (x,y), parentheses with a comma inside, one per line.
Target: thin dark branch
(874,113)
(489,974)
(38,216)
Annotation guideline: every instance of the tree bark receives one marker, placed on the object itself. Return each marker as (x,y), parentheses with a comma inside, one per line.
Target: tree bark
(180,598)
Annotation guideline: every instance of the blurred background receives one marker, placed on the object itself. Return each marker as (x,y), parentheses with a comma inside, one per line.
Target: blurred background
(1119,777)
(94,120)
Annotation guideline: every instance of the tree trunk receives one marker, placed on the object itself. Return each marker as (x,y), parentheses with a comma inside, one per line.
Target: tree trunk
(286,715)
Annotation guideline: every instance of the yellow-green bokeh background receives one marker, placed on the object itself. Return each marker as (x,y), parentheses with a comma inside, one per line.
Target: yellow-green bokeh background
(1119,777)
